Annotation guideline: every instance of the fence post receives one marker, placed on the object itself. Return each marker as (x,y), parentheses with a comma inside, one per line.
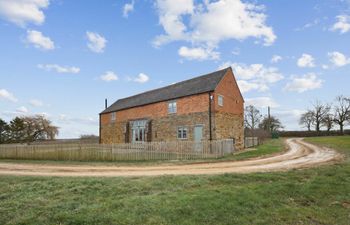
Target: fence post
(16,152)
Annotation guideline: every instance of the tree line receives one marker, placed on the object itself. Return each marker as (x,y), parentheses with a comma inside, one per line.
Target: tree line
(327,115)
(27,129)
(257,125)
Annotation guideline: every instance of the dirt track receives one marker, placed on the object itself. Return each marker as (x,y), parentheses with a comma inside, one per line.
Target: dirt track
(299,155)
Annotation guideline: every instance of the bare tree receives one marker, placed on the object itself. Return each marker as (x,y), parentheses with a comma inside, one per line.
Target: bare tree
(342,112)
(306,120)
(39,128)
(319,112)
(328,122)
(252,117)
(271,124)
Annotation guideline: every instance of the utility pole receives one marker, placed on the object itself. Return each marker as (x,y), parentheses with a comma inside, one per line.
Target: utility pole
(269,118)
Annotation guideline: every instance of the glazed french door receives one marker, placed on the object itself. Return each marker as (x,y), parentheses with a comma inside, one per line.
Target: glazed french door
(139,131)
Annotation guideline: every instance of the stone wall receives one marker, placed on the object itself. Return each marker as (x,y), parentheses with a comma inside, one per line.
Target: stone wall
(224,125)
(165,128)
(113,133)
(160,129)
(228,126)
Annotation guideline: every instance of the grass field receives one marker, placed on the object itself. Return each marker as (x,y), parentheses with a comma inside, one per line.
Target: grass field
(340,143)
(314,196)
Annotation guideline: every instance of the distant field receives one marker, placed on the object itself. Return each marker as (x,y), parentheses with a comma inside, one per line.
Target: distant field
(341,143)
(314,196)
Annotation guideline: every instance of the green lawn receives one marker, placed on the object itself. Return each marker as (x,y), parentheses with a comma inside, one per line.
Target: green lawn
(269,147)
(340,143)
(314,196)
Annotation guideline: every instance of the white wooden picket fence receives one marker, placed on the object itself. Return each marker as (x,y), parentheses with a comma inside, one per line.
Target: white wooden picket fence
(251,142)
(179,150)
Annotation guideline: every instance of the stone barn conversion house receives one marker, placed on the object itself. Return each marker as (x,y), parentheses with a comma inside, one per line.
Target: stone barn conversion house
(209,107)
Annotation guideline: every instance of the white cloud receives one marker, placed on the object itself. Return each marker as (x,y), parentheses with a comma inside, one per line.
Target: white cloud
(261,102)
(170,17)
(22,110)
(97,43)
(44,114)
(36,103)
(128,7)
(109,76)
(22,12)
(6,95)
(325,67)
(231,19)
(141,78)
(342,24)
(310,24)
(296,113)
(254,76)
(211,22)
(306,60)
(289,117)
(338,59)
(255,71)
(72,126)
(59,69)
(246,86)
(236,51)
(304,83)
(276,58)
(64,119)
(198,53)
(39,40)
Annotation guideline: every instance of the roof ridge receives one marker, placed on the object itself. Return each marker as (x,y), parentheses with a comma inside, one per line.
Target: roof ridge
(196,85)
(177,83)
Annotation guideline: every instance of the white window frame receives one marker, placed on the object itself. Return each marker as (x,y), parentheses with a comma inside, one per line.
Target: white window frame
(172,107)
(220,100)
(113,116)
(183,131)
(138,131)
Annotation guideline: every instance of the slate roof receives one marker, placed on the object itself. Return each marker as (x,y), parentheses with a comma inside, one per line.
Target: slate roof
(198,85)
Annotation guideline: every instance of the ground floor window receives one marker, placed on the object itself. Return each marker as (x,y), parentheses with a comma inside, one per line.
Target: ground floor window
(182,132)
(138,129)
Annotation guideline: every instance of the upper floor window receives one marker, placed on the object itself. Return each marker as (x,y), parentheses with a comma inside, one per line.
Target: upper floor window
(113,116)
(221,100)
(172,107)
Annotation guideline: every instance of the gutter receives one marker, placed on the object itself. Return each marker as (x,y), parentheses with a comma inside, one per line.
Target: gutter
(99,133)
(210,122)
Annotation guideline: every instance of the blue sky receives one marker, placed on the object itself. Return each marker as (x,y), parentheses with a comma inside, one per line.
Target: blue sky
(63,58)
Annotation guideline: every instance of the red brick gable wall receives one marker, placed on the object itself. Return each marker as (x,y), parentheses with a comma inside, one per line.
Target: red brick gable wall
(233,101)
(185,105)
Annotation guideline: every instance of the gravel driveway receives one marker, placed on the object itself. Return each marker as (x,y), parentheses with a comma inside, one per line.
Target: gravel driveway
(299,155)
